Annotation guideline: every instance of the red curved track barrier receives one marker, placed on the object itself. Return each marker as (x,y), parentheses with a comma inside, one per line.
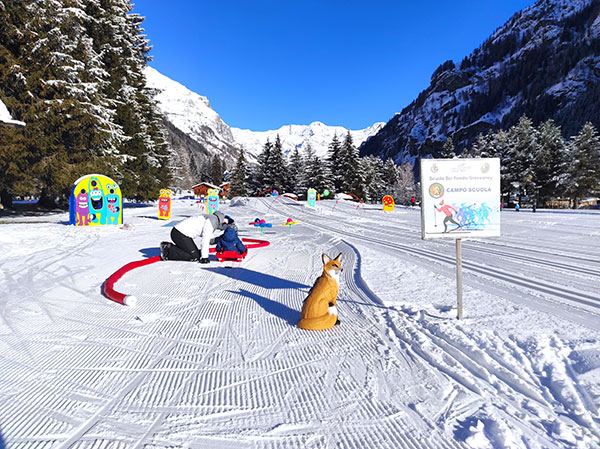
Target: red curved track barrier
(109,290)
(130,300)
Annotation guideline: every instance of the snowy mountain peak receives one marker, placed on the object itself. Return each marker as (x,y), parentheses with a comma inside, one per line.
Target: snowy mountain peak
(317,134)
(191,114)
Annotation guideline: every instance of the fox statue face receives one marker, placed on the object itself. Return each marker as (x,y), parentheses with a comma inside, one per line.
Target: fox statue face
(319,310)
(333,267)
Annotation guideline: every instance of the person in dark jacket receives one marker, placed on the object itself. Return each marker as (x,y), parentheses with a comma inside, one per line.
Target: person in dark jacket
(230,241)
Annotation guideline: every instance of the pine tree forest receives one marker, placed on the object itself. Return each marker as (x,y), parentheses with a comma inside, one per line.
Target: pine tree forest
(72,70)
(340,171)
(539,167)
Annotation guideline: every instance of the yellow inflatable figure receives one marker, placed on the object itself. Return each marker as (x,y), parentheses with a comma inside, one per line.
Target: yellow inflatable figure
(164,204)
(388,203)
(320,307)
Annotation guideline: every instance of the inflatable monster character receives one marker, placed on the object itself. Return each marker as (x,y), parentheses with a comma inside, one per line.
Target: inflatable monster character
(97,209)
(212,201)
(82,208)
(388,203)
(164,204)
(95,200)
(319,310)
(113,203)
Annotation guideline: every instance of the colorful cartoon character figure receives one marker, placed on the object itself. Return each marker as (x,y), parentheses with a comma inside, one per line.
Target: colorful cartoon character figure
(97,209)
(388,203)
(312,198)
(82,208)
(164,204)
(319,310)
(113,204)
(213,201)
(95,200)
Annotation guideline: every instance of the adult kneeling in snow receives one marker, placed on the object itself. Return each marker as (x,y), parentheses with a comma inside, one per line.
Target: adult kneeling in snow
(184,233)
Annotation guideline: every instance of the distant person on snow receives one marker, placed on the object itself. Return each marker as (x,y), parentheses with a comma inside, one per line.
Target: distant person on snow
(447,210)
(207,226)
(517,207)
(230,241)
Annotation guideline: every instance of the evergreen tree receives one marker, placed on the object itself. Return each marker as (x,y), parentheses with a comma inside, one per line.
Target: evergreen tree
(499,146)
(448,150)
(374,187)
(333,162)
(14,160)
(239,177)
(217,169)
(69,116)
(296,172)
(584,171)
(316,178)
(277,167)
(263,174)
(549,162)
(522,151)
(405,188)
(307,178)
(352,180)
(390,173)
(144,147)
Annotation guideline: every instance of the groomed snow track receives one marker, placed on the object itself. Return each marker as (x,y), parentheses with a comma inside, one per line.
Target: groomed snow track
(211,358)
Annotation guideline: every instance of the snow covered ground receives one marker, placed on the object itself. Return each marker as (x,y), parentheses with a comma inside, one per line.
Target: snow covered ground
(211,356)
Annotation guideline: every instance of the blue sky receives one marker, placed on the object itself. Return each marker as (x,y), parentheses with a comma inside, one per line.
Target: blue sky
(268,63)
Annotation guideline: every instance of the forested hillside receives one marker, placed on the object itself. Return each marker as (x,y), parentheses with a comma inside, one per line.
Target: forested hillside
(543,63)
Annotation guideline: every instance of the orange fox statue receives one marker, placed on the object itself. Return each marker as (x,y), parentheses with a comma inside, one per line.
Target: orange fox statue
(320,307)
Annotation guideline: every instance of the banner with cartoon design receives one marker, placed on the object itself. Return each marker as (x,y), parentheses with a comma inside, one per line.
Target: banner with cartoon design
(95,200)
(164,204)
(461,198)
(311,197)
(212,201)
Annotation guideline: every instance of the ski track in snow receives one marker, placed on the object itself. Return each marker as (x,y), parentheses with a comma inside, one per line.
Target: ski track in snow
(212,357)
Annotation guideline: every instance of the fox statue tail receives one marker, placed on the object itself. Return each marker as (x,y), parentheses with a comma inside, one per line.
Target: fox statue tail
(322,322)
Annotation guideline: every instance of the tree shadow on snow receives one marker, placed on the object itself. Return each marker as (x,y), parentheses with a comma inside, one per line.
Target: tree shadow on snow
(256,278)
(291,316)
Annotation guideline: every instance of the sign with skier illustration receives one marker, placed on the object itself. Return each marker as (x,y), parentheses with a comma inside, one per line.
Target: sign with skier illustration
(461,198)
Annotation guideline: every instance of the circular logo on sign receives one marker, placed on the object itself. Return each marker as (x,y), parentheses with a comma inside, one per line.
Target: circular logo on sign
(485,168)
(436,190)
(434,168)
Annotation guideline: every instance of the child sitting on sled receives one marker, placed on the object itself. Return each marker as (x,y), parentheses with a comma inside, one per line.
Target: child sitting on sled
(229,241)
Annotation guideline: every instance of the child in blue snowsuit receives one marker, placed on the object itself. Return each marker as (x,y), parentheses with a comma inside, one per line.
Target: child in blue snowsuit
(229,241)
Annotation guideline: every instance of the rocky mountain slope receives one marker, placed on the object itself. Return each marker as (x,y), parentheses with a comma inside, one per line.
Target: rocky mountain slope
(544,62)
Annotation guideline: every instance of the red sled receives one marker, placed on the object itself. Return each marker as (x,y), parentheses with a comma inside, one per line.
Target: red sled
(230,256)
(234,256)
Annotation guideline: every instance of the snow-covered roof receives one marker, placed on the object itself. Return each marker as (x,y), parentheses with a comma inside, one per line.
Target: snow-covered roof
(212,186)
(6,119)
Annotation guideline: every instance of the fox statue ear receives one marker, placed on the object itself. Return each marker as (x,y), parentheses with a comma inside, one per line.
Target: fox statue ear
(325,258)
(339,257)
